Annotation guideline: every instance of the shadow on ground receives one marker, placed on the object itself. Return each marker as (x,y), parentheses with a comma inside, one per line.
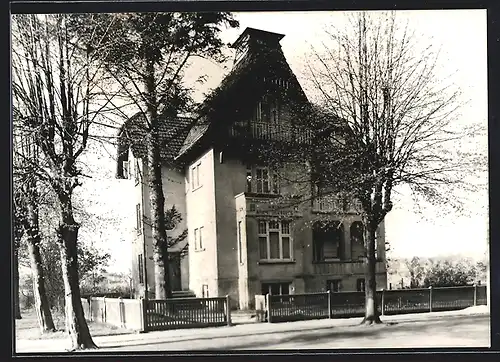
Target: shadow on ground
(314,336)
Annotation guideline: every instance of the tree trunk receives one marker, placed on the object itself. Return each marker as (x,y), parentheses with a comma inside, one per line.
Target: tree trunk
(17,307)
(156,196)
(42,307)
(76,325)
(371,304)
(158,231)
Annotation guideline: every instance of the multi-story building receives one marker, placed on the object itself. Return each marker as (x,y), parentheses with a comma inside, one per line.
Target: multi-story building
(248,202)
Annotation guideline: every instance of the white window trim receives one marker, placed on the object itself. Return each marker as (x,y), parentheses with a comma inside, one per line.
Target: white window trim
(137,173)
(138,216)
(126,169)
(195,176)
(198,239)
(273,181)
(281,235)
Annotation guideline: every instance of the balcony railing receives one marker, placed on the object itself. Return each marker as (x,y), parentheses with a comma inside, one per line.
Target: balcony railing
(274,206)
(344,267)
(270,131)
(335,203)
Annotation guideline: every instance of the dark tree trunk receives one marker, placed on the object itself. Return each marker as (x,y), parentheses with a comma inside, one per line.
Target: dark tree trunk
(158,231)
(17,307)
(76,325)
(371,304)
(42,307)
(156,196)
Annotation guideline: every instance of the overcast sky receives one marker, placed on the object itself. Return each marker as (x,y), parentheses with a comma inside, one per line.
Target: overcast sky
(461,35)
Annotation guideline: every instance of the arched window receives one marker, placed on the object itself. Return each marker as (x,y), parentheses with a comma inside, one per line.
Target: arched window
(357,240)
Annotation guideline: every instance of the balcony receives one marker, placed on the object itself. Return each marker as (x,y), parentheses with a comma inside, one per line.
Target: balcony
(344,267)
(271,205)
(270,131)
(335,204)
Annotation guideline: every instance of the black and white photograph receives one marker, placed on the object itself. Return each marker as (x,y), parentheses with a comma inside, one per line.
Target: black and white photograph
(249,181)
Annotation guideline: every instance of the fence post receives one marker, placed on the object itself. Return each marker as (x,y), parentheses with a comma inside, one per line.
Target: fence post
(144,322)
(430,298)
(104,309)
(120,308)
(475,295)
(90,308)
(382,307)
(268,302)
(329,296)
(228,310)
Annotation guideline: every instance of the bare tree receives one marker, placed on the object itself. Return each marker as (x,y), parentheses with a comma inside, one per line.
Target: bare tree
(26,223)
(56,101)
(149,55)
(387,121)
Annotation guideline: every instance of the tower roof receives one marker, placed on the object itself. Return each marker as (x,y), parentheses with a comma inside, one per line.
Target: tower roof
(257,34)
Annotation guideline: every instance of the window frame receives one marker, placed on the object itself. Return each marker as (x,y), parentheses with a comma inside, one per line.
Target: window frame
(198,238)
(281,284)
(240,245)
(334,282)
(361,284)
(269,185)
(140,265)
(137,175)
(138,220)
(195,176)
(340,255)
(281,236)
(126,169)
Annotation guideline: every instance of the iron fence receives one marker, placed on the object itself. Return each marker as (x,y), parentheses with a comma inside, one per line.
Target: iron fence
(286,308)
(186,313)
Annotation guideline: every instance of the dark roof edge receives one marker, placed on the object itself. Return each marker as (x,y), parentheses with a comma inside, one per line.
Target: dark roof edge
(249,30)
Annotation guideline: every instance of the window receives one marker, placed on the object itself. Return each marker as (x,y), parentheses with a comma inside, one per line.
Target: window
(333,285)
(239,243)
(360,285)
(268,111)
(126,169)
(198,238)
(204,291)
(138,218)
(195,176)
(249,179)
(137,174)
(140,265)
(357,240)
(275,241)
(328,241)
(263,180)
(276,288)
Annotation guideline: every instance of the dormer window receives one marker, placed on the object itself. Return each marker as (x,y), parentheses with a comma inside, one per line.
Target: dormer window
(268,111)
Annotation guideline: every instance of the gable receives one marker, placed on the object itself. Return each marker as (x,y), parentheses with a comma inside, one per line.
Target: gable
(133,133)
(259,73)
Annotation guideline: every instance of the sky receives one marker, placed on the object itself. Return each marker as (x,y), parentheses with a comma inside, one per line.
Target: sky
(461,36)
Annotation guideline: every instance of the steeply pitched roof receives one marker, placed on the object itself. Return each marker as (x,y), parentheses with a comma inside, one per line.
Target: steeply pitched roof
(172,134)
(266,61)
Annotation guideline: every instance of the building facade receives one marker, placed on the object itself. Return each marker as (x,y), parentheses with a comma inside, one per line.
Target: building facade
(244,186)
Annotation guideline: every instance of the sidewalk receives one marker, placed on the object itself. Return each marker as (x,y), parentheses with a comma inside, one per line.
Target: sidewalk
(469,327)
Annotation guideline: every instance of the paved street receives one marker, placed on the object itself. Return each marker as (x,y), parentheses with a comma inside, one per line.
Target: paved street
(442,329)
